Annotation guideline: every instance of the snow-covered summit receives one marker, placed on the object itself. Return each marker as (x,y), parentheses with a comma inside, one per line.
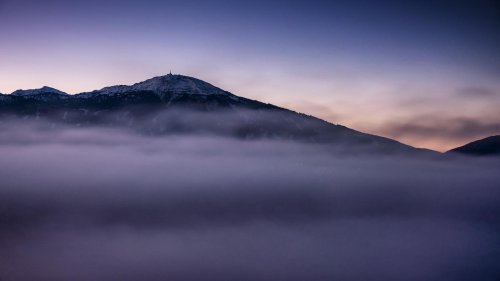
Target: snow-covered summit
(42,90)
(175,84)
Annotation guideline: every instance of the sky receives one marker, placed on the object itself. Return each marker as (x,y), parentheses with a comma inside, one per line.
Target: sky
(422,72)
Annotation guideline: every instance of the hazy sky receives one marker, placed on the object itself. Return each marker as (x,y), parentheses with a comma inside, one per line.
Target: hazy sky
(423,72)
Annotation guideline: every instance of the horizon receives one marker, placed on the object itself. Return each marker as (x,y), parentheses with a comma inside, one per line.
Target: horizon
(297,140)
(424,73)
(448,148)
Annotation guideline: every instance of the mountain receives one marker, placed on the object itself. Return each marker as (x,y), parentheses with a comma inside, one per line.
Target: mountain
(177,104)
(41,91)
(175,84)
(484,147)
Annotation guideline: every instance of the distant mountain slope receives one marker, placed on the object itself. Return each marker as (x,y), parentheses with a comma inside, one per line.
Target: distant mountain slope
(483,147)
(176,104)
(33,92)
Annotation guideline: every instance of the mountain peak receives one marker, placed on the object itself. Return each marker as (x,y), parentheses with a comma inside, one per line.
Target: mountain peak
(42,90)
(170,83)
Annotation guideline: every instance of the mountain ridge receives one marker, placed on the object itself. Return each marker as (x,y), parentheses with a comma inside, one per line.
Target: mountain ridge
(175,83)
(489,146)
(182,104)
(38,91)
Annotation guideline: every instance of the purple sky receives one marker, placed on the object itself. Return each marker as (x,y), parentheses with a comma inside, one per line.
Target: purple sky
(423,72)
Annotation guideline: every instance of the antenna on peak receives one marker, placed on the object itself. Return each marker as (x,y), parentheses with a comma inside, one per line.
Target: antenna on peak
(170,72)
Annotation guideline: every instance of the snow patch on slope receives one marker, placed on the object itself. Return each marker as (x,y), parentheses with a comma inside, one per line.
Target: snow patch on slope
(175,84)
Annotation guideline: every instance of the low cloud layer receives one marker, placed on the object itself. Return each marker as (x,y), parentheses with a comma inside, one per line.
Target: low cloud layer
(102,204)
(441,132)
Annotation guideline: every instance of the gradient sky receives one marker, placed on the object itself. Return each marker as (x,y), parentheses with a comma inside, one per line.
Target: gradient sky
(423,72)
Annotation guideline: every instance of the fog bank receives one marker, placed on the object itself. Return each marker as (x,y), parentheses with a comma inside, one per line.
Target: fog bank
(104,204)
